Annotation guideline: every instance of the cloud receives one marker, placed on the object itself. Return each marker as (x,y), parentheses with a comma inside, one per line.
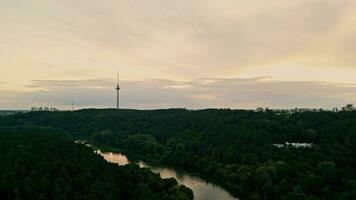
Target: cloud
(195,94)
(179,38)
(64,46)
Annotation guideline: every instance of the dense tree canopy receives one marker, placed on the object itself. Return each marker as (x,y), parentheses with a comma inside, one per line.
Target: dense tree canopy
(43,163)
(234,147)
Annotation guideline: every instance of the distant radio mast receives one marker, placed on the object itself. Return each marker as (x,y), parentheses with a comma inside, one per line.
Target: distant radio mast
(118,92)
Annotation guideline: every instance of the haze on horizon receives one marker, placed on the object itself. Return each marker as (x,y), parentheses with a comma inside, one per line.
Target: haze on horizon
(178,53)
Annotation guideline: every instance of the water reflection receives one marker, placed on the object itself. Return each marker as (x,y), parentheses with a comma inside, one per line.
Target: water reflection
(202,190)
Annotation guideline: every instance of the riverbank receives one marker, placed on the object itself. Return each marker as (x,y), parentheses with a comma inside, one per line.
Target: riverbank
(202,189)
(135,158)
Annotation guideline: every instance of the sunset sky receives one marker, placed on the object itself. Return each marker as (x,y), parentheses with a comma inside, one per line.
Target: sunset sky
(178,53)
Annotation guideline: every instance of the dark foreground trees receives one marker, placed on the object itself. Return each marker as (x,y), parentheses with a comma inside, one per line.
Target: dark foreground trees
(43,163)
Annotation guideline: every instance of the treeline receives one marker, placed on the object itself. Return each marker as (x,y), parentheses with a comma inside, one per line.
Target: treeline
(44,163)
(233,146)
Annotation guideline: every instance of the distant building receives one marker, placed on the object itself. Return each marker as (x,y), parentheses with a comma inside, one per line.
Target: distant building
(260,109)
(294,145)
(53,109)
(39,109)
(349,108)
(299,145)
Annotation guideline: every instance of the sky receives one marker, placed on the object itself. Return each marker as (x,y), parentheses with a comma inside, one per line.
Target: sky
(178,53)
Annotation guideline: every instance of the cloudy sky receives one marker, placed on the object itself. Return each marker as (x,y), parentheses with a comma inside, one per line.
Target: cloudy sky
(178,53)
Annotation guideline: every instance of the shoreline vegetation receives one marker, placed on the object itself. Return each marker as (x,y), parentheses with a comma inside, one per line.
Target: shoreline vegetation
(45,163)
(136,158)
(237,146)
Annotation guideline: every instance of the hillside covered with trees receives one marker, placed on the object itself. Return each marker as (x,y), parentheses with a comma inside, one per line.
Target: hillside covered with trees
(234,147)
(44,163)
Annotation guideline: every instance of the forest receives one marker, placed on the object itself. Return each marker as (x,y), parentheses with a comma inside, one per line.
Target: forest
(234,147)
(45,163)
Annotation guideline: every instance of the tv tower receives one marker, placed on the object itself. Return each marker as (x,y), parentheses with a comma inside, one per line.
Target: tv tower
(118,92)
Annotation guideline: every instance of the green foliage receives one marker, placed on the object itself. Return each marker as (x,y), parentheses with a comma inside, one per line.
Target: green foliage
(44,163)
(231,146)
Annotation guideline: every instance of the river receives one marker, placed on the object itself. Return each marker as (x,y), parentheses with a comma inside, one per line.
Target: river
(202,189)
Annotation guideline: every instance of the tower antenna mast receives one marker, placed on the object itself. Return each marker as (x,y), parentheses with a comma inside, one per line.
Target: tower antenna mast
(118,92)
